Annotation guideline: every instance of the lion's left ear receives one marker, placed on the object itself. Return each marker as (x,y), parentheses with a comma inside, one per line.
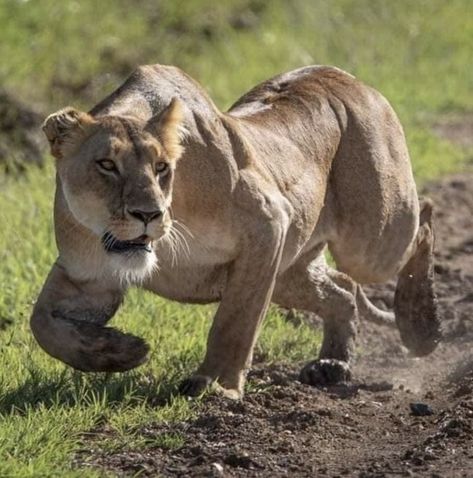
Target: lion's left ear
(168,128)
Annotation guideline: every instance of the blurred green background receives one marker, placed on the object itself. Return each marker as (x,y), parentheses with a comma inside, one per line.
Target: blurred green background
(416,52)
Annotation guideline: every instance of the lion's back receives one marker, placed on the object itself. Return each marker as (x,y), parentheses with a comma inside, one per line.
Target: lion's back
(290,90)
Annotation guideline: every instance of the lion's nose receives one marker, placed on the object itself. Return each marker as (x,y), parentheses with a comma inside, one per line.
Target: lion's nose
(146,216)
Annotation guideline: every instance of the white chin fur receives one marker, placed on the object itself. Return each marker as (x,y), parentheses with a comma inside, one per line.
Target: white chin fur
(132,268)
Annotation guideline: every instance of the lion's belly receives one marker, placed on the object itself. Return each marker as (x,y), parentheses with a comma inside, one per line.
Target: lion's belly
(194,271)
(200,285)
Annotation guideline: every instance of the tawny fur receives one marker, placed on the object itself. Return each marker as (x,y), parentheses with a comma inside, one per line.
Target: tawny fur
(250,200)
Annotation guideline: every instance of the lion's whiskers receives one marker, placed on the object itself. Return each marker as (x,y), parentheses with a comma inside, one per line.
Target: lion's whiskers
(184,227)
(181,241)
(171,240)
(109,241)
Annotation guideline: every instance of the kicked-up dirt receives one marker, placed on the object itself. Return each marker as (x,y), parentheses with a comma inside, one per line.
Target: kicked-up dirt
(400,416)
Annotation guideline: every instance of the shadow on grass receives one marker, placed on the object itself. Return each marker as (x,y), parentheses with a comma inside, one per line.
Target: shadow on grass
(71,388)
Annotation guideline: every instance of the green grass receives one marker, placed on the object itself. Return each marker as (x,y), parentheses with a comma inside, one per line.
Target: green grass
(55,53)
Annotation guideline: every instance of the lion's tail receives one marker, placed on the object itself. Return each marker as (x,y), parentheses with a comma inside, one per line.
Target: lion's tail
(368,311)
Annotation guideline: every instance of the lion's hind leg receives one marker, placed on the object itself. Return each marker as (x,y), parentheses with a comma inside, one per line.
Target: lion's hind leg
(315,287)
(415,304)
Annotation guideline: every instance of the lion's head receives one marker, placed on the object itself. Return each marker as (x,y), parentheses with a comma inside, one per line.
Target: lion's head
(116,175)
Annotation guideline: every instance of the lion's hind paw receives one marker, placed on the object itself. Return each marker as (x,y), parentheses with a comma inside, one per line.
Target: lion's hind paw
(324,372)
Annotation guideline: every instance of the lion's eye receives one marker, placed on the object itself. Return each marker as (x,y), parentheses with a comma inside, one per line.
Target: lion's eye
(162,167)
(107,165)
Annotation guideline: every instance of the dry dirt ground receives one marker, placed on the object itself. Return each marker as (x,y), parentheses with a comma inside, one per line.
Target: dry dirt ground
(363,429)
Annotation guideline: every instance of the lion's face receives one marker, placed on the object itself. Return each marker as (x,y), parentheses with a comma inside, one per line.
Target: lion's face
(117,176)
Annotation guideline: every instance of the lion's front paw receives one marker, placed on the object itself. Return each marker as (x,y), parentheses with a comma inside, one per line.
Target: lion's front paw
(197,384)
(325,372)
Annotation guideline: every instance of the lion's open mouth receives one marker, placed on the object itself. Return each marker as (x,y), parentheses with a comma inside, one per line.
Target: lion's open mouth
(112,244)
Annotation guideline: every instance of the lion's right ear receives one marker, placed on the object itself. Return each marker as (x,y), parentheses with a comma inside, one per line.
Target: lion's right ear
(65,129)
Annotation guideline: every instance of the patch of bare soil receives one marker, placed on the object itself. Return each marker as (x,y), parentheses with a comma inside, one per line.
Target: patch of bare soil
(457,129)
(399,417)
(21,140)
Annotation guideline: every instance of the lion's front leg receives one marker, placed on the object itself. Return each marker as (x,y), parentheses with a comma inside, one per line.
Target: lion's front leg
(68,321)
(243,306)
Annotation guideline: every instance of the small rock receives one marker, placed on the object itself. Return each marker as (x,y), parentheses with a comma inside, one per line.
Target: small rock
(420,409)
(217,468)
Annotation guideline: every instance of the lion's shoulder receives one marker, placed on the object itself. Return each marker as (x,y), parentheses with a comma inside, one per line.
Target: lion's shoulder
(151,88)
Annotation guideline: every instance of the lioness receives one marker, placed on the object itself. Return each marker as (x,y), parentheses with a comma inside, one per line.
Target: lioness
(309,159)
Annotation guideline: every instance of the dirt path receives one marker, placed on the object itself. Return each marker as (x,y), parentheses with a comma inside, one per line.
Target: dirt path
(365,429)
